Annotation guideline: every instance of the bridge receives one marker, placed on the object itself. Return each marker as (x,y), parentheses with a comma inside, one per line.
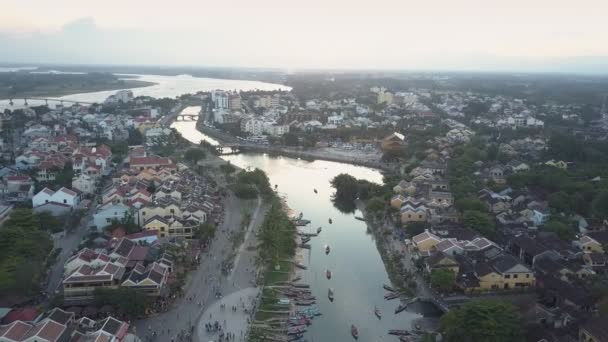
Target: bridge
(47,99)
(187,117)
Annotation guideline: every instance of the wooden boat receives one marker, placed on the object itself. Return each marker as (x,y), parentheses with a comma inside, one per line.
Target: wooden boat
(295,337)
(301,222)
(354,331)
(305,302)
(328,274)
(388,288)
(319,230)
(305,246)
(401,307)
(330,294)
(399,332)
(305,239)
(391,296)
(377,312)
(327,249)
(298,265)
(359,218)
(301,286)
(315,190)
(330,221)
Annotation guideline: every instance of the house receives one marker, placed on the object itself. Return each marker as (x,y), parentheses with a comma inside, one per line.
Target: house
(393,142)
(425,241)
(405,187)
(501,272)
(84,183)
(397,201)
(108,215)
(80,285)
(17,188)
(85,256)
(590,245)
(497,174)
(53,208)
(142,163)
(150,280)
(62,196)
(596,260)
(517,166)
(594,330)
(441,261)
(559,164)
(411,212)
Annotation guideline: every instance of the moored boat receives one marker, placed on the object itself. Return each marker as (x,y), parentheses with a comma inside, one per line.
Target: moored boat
(359,218)
(388,288)
(327,249)
(299,265)
(377,312)
(399,332)
(328,274)
(330,294)
(319,230)
(315,190)
(330,221)
(401,307)
(354,331)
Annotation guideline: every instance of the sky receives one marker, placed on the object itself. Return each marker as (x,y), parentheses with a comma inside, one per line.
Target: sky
(373,34)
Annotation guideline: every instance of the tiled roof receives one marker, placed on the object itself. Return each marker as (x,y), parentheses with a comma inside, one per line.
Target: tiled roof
(15,331)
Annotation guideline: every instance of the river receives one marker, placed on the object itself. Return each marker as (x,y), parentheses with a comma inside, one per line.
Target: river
(166,86)
(358,271)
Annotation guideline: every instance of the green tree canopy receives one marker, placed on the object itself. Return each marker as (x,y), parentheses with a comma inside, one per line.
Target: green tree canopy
(470,203)
(442,279)
(194,155)
(479,221)
(483,320)
(564,231)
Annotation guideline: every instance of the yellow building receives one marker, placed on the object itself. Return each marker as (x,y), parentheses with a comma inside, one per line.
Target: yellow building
(594,330)
(424,242)
(589,244)
(412,213)
(439,261)
(504,272)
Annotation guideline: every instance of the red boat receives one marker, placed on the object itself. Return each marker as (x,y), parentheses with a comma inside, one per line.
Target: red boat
(354,331)
(328,274)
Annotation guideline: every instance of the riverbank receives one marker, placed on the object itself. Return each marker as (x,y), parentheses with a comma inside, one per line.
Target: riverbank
(371,160)
(59,92)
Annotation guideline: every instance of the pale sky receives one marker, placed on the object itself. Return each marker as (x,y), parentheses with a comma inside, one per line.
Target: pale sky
(427,34)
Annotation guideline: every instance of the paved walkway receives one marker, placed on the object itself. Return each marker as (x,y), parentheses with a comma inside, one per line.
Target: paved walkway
(230,321)
(204,282)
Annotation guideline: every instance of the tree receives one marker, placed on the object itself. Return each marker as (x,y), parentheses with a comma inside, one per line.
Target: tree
(135,137)
(564,231)
(599,206)
(205,231)
(346,187)
(128,301)
(470,203)
(291,139)
(479,221)
(227,168)
(375,206)
(415,228)
(442,279)
(194,155)
(483,320)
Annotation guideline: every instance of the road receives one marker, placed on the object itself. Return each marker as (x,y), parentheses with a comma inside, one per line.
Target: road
(68,244)
(185,314)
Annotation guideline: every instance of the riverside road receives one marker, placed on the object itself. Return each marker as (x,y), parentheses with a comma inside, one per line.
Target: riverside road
(189,312)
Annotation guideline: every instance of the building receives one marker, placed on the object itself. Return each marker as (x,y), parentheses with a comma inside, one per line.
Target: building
(252,126)
(61,196)
(84,183)
(79,286)
(425,241)
(234,101)
(411,212)
(385,97)
(142,163)
(393,142)
(114,213)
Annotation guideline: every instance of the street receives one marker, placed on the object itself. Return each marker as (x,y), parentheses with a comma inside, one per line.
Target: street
(68,244)
(186,312)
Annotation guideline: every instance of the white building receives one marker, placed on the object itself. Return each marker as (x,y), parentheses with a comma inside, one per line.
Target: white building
(121,96)
(220,99)
(84,183)
(252,126)
(105,217)
(62,196)
(336,120)
(274,129)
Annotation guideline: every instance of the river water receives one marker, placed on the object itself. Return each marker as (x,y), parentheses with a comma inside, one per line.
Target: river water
(166,86)
(358,271)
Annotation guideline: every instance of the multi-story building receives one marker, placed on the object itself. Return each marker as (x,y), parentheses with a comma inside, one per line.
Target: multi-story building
(234,101)
(252,126)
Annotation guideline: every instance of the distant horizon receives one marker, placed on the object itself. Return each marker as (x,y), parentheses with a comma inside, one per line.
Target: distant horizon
(570,70)
(436,35)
